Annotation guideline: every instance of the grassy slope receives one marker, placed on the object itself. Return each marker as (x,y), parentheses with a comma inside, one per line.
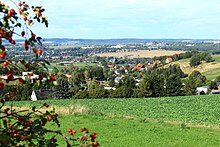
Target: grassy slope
(212,74)
(210,70)
(142,122)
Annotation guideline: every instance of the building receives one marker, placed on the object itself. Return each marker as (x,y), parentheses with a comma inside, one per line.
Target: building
(168,60)
(41,95)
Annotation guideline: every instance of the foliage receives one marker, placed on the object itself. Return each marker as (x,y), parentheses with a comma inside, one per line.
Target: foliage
(197,58)
(190,86)
(199,79)
(28,127)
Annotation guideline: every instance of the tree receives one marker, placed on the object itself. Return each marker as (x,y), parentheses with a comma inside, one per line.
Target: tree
(212,85)
(145,88)
(190,86)
(62,89)
(127,83)
(199,78)
(195,60)
(204,56)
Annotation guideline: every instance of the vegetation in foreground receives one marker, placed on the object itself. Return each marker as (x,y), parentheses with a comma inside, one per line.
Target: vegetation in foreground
(170,121)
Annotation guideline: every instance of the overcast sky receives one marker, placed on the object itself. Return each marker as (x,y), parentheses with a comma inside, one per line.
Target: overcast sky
(103,19)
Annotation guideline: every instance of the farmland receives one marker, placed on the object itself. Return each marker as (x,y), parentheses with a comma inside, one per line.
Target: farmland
(141,53)
(168,121)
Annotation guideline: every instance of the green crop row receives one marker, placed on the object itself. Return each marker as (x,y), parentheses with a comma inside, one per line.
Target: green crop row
(194,109)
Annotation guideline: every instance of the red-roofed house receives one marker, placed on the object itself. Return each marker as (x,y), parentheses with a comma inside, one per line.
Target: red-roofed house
(168,60)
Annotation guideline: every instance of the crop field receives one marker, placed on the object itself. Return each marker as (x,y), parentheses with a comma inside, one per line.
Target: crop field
(78,64)
(168,121)
(141,53)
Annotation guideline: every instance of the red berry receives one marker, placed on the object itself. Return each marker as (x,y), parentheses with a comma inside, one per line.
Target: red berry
(39,14)
(44,121)
(52,77)
(31,74)
(20,11)
(10,71)
(49,118)
(13,42)
(80,130)
(21,80)
(12,11)
(39,51)
(83,138)
(25,18)
(9,14)
(2,32)
(3,55)
(70,131)
(46,105)
(2,101)
(26,45)
(22,33)
(19,4)
(10,77)
(74,131)
(5,64)
(1,85)
(33,36)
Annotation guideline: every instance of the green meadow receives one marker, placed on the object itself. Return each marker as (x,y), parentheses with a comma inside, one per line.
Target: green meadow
(168,121)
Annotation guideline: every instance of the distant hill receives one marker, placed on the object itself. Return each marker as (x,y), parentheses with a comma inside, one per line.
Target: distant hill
(119,41)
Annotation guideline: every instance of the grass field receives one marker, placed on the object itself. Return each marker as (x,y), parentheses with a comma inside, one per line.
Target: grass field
(78,64)
(210,70)
(169,121)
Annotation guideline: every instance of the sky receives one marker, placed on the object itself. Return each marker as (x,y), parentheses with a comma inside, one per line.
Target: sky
(107,19)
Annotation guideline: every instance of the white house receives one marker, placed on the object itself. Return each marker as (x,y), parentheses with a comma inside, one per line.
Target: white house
(202,89)
(41,95)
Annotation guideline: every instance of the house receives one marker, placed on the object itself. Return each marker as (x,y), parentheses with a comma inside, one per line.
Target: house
(202,89)
(31,76)
(138,67)
(41,95)
(214,91)
(168,60)
(156,62)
